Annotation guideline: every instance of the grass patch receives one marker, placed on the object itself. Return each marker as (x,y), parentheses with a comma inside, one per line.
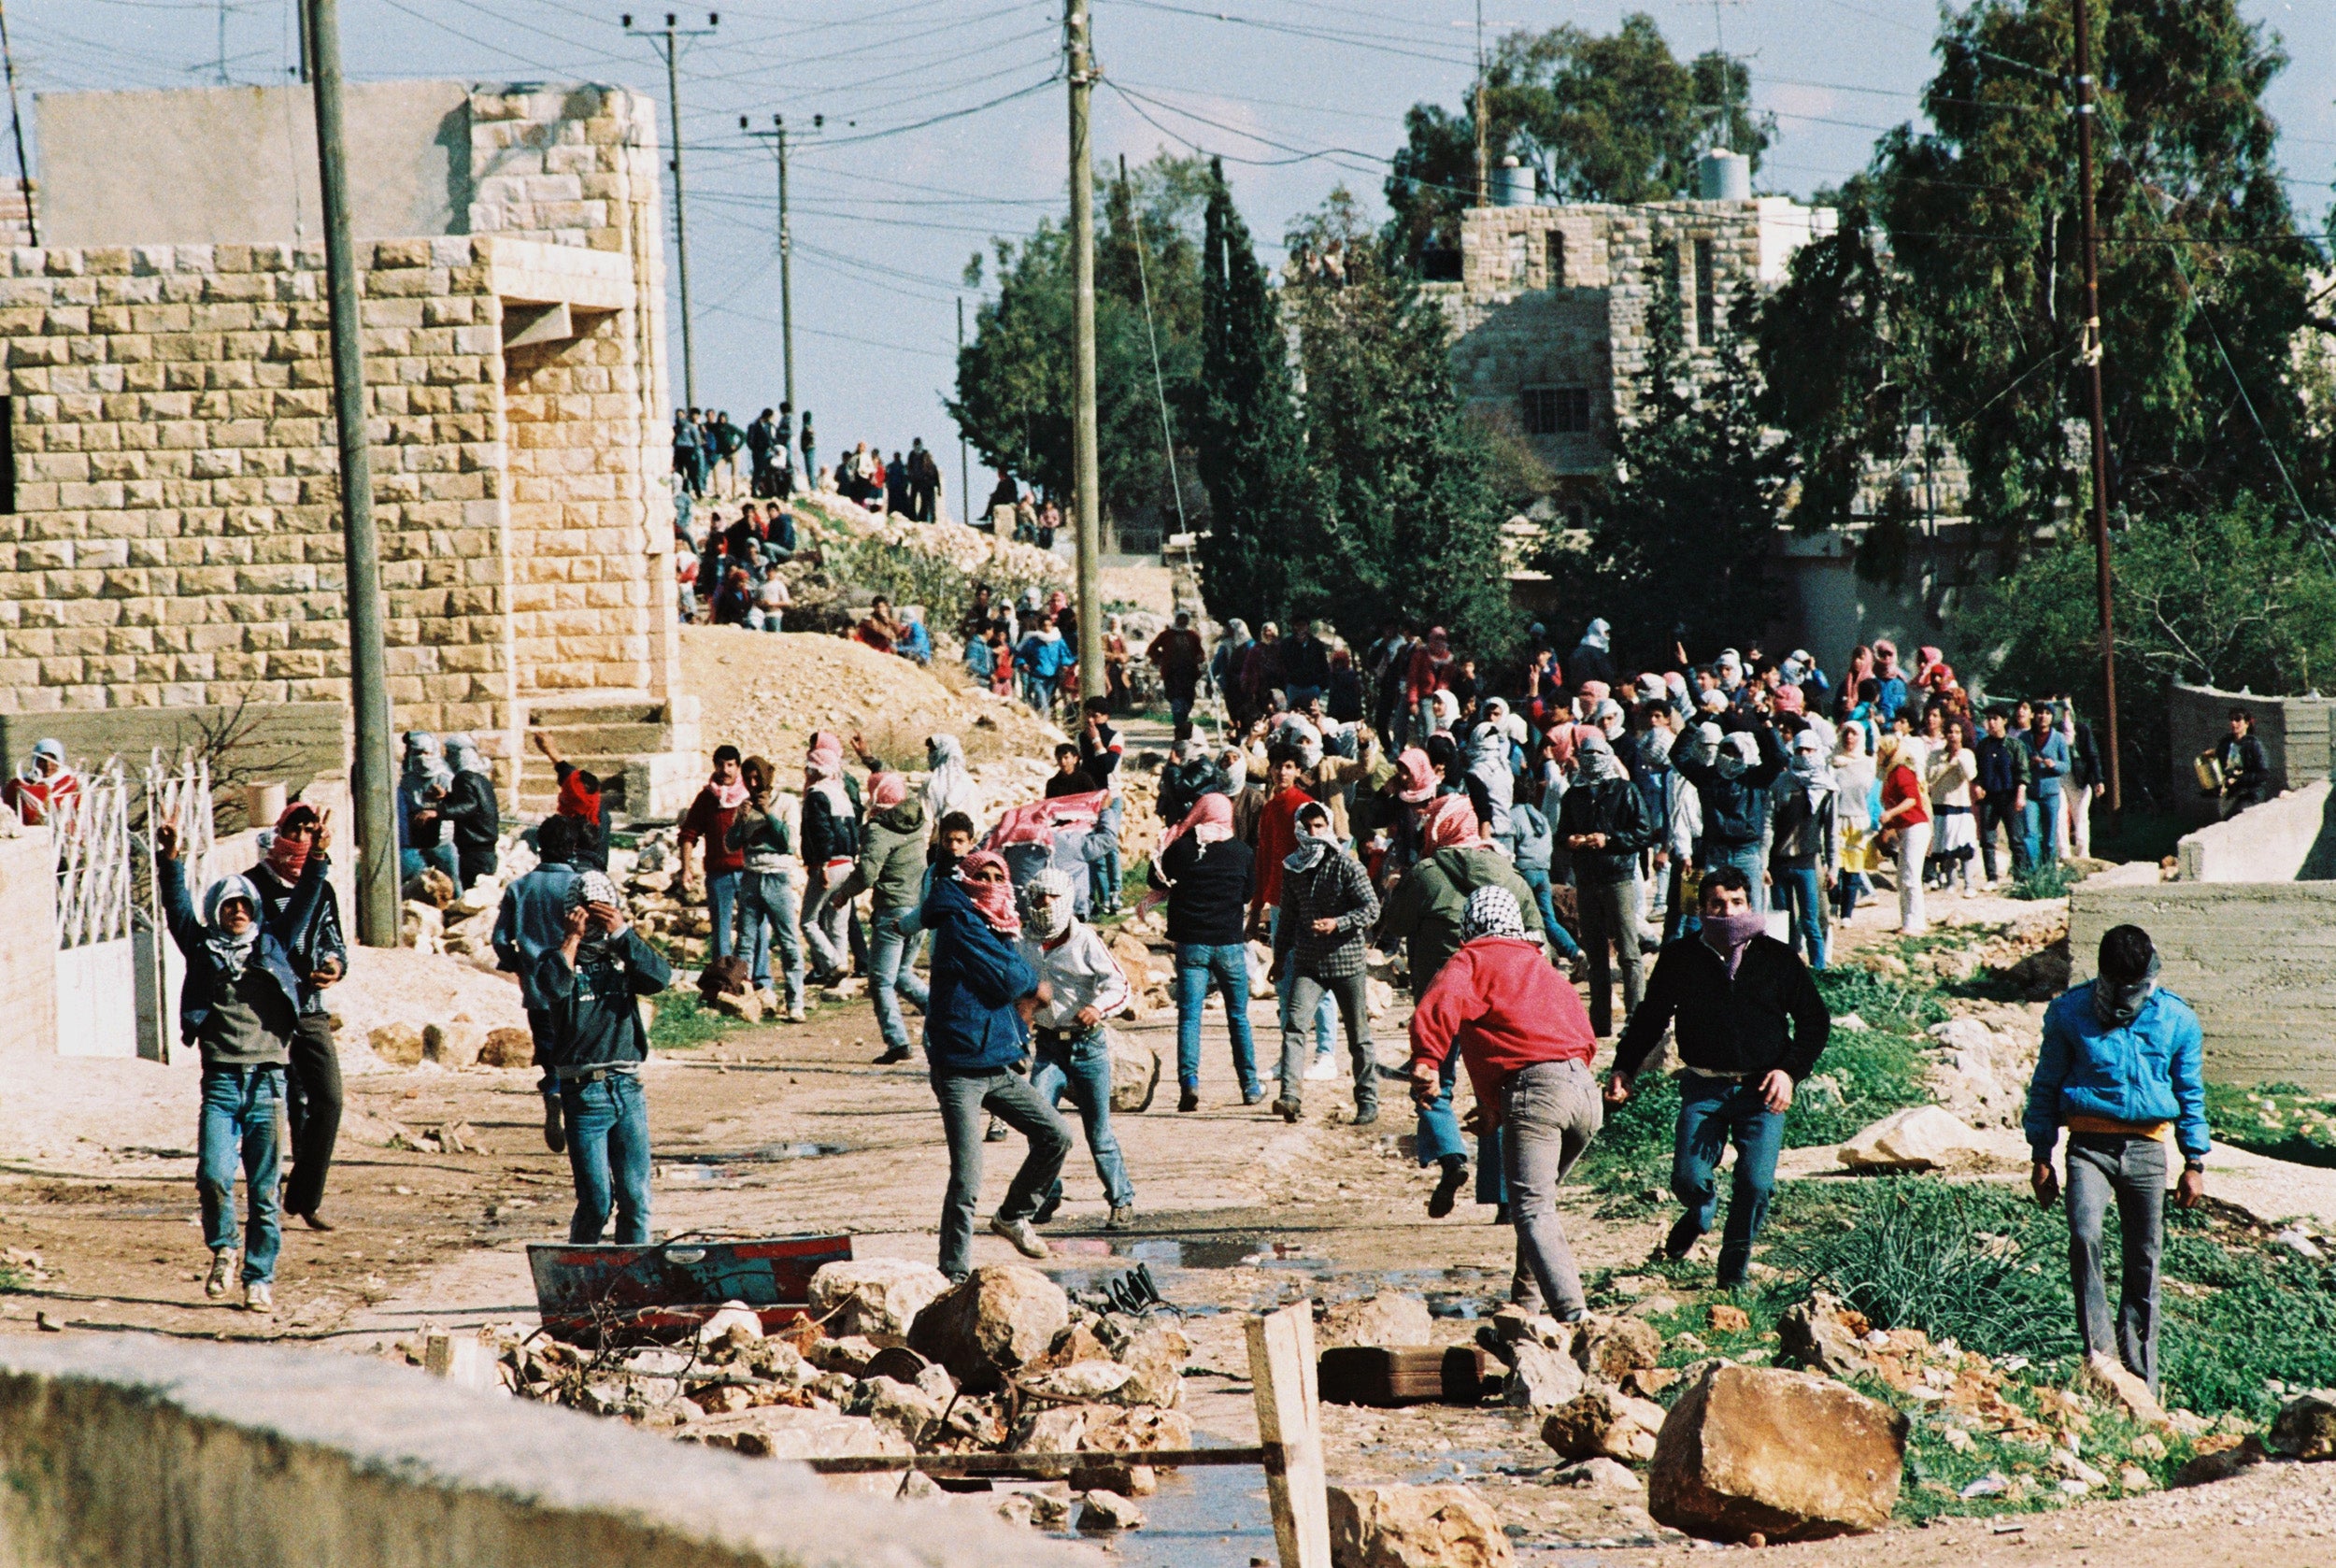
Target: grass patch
(2052,880)
(2283,1120)
(684,1021)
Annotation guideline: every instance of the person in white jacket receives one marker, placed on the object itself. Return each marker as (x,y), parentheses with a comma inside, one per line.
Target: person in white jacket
(1083,985)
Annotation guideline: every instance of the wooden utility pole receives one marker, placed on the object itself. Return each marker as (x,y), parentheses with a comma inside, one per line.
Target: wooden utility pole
(965,469)
(667,41)
(16,125)
(1084,461)
(2091,361)
(374,771)
(1484,146)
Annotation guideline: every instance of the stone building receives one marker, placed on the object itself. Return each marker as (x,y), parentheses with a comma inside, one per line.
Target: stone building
(170,544)
(1550,309)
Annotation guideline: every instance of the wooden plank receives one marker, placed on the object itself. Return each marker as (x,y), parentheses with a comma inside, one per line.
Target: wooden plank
(1289,1424)
(1383,1375)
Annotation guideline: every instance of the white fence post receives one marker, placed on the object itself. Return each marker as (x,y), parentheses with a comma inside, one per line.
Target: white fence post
(96,967)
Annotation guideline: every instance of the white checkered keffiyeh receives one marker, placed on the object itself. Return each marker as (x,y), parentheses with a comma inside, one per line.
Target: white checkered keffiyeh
(1492,912)
(593,887)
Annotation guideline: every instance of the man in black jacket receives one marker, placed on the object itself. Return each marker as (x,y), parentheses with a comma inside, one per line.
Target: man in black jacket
(1750,1027)
(1604,824)
(1209,877)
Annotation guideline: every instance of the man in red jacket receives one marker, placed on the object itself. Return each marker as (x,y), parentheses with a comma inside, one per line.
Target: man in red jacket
(1527,1044)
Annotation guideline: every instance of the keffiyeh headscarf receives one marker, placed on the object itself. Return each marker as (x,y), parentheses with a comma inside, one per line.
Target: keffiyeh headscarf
(1417,775)
(594,886)
(462,751)
(1311,846)
(1451,824)
(231,953)
(1210,822)
(1595,759)
(992,901)
(1047,906)
(1809,770)
(1737,753)
(1491,911)
(1598,635)
(949,785)
(887,791)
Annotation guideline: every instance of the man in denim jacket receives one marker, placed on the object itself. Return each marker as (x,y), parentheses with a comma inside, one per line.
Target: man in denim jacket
(2120,1069)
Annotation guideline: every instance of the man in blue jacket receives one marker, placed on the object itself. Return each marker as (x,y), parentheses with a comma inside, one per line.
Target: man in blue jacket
(532,921)
(977,1029)
(2120,1069)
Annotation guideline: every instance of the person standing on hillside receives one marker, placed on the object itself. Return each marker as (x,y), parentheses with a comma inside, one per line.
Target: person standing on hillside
(831,845)
(1174,651)
(770,883)
(2121,1068)
(1750,1026)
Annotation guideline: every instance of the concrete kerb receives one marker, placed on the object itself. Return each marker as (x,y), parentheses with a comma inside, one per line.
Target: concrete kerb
(153,1452)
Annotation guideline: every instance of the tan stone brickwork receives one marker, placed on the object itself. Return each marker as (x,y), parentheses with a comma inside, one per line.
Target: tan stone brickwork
(176,534)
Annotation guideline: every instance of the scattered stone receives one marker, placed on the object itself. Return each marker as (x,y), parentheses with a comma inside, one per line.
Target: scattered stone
(1135,1068)
(463,1360)
(453,1045)
(1790,1456)
(2306,1427)
(905,1407)
(2075,1469)
(1648,1382)
(784,1432)
(2298,1241)
(2105,1378)
(879,1297)
(508,1047)
(1919,1138)
(744,1006)
(1087,1381)
(1513,1323)
(1963,1034)
(1001,1319)
(850,1355)
(1103,1512)
(1723,1319)
(733,1326)
(1652,1306)
(1056,1431)
(1157,1355)
(1608,1347)
(1123,1477)
(400,1045)
(1138,1429)
(1540,1379)
(1386,1320)
(2204,1468)
(1599,1473)
(1414,1527)
(1605,1422)
(2134,1478)
(1824,1335)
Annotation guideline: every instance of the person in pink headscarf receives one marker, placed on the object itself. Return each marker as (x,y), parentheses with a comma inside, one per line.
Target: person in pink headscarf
(1207,875)
(891,867)
(830,847)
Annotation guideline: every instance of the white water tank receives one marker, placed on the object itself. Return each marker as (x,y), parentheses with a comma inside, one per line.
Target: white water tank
(1512,184)
(1725,176)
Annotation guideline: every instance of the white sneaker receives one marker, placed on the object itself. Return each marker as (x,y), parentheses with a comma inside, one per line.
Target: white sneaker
(796,1014)
(259,1296)
(222,1273)
(1023,1234)
(1324,1069)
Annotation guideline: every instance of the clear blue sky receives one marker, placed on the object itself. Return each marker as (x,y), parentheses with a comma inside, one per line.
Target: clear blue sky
(1298,94)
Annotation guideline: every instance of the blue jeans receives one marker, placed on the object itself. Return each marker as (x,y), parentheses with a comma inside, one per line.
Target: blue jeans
(410,862)
(1324,1012)
(967,1100)
(1711,1111)
(239,1124)
(1440,1136)
(890,977)
(608,1154)
(1200,966)
(768,904)
(1103,859)
(2036,824)
(721,897)
(1080,1065)
(1804,898)
(1562,941)
(1744,858)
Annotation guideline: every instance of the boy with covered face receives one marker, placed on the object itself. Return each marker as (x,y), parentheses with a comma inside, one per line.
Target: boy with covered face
(1083,986)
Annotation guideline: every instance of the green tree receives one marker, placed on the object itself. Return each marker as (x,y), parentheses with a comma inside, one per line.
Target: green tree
(1407,519)
(1250,441)
(1977,317)
(2233,597)
(1680,549)
(1601,118)
(1015,375)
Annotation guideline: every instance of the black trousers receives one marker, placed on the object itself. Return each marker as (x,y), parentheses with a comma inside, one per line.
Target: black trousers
(312,1107)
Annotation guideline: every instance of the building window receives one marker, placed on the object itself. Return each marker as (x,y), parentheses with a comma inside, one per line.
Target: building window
(1556,410)
(7,454)
(1519,254)
(1706,296)
(1556,258)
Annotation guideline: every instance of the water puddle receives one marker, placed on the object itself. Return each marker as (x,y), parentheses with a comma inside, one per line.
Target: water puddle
(705,1169)
(1215,1516)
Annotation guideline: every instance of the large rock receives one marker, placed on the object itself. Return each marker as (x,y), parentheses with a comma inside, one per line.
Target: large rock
(998,1320)
(1139,1429)
(784,1432)
(2105,1378)
(1414,1527)
(1540,1379)
(400,1045)
(454,1045)
(1786,1455)
(1134,1071)
(905,1408)
(879,1297)
(2306,1427)
(1103,1512)
(1919,1138)
(508,1047)
(1604,1423)
(1608,1347)
(1157,1356)
(1086,1382)
(1386,1320)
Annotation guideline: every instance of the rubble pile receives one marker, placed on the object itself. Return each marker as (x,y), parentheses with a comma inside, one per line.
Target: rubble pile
(897,1361)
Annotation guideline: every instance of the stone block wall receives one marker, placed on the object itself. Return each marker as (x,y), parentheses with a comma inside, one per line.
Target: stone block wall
(175,535)
(2294,732)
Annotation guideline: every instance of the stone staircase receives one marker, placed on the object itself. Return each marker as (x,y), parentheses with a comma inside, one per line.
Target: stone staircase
(644,751)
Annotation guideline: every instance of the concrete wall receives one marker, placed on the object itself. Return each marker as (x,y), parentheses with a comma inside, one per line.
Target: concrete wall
(28,960)
(218,165)
(290,743)
(2294,732)
(2290,839)
(2257,960)
(135,1450)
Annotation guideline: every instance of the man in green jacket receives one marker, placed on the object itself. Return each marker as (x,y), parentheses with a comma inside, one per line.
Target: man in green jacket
(893,868)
